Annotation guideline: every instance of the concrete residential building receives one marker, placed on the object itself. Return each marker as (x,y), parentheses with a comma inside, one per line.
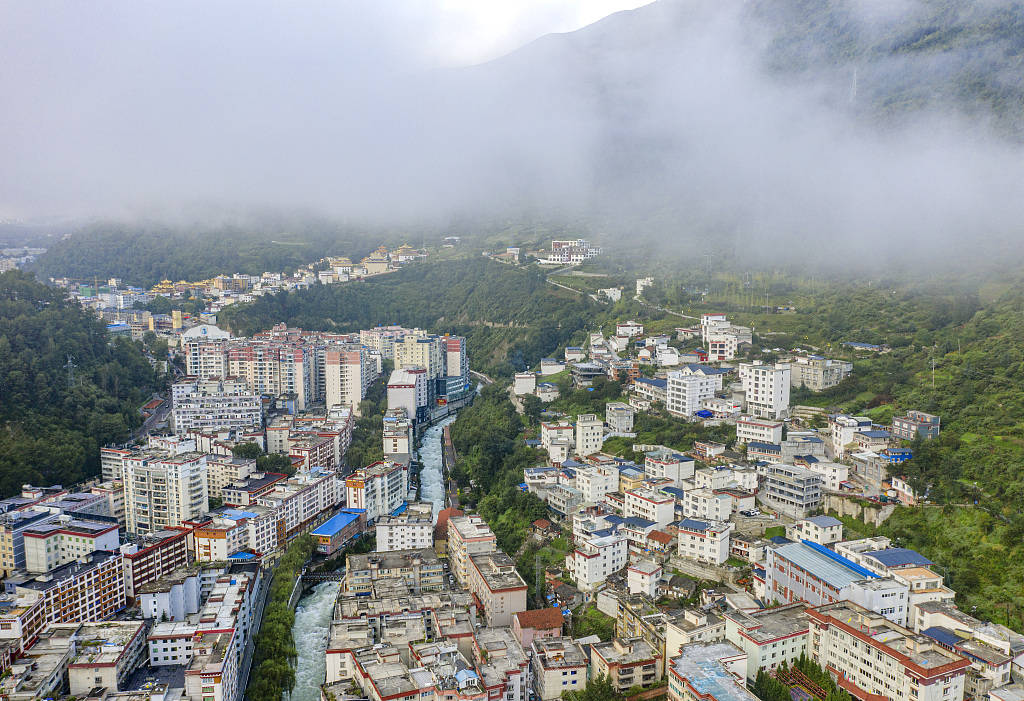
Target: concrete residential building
(823,530)
(348,373)
(559,665)
(795,490)
(769,637)
(421,570)
(408,389)
(818,373)
(651,505)
(914,424)
(619,417)
(692,626)
(704,541)
(666,464)
(91,588)
(151,556)
(162,490)
(398,436)
(843,429)
(684,393)
(524,383)
(106,655)
(537,624)
(410,529)
(301,501)
(379,488)
(50,545)
(224,470)
(749,428)
(594,481)
(467,535)
(766,388)
(494,581)
(13,525)
(595,557)
(644,577)
(589,434)
(812,573)
(627,662)
(874,656)
(708,672)
(213,403)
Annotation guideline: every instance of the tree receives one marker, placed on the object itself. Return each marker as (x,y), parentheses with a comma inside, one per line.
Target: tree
(532,408)
(599,688)
(247,451)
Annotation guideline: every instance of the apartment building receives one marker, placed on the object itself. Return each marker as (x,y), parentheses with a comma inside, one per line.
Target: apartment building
(213,403)
(823,530)
(246,491)
(690,626)
(651,505)
(770,637)
(572,252)
(749,428)
(502,663)
(795,490)
(709,672)
(111,461)
(914,424)
(594,481)
(833,474)
(410,529)
(397,436)
(663,463)
(113,494)
(619,417)
(550,432)
(559,665)
(595,557)
(302,501)
(627,662)
(818,373)
(589,434)
(379,488)
(55,543)
(409,389)
(766,389)
(348,373)
(497,585)
(272,368)
(337,531)
(524,383)
(224,470)
(842,430)
(644,577)
(874,657)
(420,569)
(467,535)
(13,525)
(812,573)
(537,623)
(88,589)
(704,541)
(106,655)
(422,350)
(163,490)
(685,393)
(149,557)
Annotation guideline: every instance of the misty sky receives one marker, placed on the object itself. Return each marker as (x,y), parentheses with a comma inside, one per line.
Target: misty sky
(659,121)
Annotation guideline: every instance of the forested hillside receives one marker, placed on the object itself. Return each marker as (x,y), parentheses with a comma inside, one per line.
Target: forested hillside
(510,316)
(52,425)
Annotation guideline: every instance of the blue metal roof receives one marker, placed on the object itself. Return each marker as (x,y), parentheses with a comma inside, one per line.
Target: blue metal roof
(241,555)
(401,509)
(637,521)
(690,524)
(661,384)
(675,492)
(335,524)
(836,557)
(779,540)
(897,557)
(758,445)
(944,636)
(604,532)
(876,434)
(825,521)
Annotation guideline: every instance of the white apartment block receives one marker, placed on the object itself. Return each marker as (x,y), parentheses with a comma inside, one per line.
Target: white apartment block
(594,481)
(684,393)
(223,470)
(300,500)
(212,404)
(649,504)
(843,428)
(749,428)
(162,490)
(766,388)
(817,373)
(619,417)
(663,463)
(347,375)
(832,474)
(823,530)
(50,545)
(550,432)
(413,529)
(379,488)
(397,436)
(706,504)
(770,637)
(875,656)
(467,535)
(589,434)
(595,558)
(704,541)
(644,577)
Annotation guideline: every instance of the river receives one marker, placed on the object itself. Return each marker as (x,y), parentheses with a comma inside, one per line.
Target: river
(432,475)
(312,626)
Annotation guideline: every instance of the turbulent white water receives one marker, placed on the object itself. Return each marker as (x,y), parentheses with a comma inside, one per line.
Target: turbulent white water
(431,476)
(312,625)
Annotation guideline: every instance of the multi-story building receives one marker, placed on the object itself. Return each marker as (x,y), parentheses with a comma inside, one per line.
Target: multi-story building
(497,585)
(627,662)
(149,557)
(113,494)
(818,373)
(766,389)
(412,528)
(535,624)
(379,488)
(502,663)
(749,428)
(709,672)
(595,558)
(106,655)
(666,464)
(111,462)
(302,501)
(875,658)
(422,350)
(163,490)
(685,393)
(421,570)
(651,505)
(13,525)
(619,417)
(409,389)
(337,531)
(214,403)
(88,589)
(572,252)
(224,470)
(644,577)
(770,637)
(795,490)
(50,545)
(914,424)
(594,481)
(823,530)
(397,436)
(246,491)
(348,373)
(842,429)
(467,535)
(692,626)
(704,541)
(589,434)
(559,665)
(812,573)
(272,368)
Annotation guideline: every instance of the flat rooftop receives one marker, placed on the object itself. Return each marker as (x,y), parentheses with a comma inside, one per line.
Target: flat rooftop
(559,652)
(625,650)
(701,666)
(498,570)
(772,624)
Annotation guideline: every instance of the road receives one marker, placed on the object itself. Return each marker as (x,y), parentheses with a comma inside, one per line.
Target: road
(482,377)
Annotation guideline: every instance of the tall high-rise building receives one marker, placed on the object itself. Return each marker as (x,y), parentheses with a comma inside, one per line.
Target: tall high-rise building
(163,490)
(347,375)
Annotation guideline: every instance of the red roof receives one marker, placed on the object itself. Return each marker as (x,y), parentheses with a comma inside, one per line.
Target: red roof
(153,404)
(441,529)
(540,619)
(542,523)
(660,537)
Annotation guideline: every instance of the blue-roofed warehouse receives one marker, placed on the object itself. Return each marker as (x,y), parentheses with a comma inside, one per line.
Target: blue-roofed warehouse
(331,535)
